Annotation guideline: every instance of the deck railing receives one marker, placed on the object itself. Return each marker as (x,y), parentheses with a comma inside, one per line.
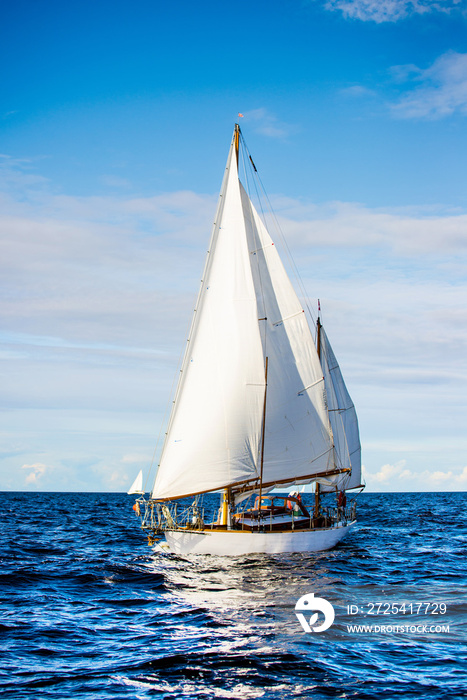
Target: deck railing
(157,517)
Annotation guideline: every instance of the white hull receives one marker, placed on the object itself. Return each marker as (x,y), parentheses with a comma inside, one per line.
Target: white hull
(239,542)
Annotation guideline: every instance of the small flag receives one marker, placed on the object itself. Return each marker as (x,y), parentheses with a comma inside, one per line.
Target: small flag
(240,115)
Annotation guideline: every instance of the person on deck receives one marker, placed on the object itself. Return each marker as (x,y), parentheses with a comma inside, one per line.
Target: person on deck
(293,505)
(341,503)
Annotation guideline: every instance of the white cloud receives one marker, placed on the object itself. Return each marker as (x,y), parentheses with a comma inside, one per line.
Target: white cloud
(37,472)
(389,10)
(446,481)
(389,472)
(438,477)
(114,181)
(84,271)
(462,477)
(264,122)
(435,92)
(349,224)
(97,300)
(395,477)
(136,459)
(357,91)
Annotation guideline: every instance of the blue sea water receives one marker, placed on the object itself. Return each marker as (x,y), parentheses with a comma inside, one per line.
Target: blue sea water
(88,610)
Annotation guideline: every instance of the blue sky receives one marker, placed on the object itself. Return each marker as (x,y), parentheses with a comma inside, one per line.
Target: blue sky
(115,121)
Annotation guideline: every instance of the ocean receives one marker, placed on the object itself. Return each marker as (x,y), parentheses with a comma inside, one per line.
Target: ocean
(88,610)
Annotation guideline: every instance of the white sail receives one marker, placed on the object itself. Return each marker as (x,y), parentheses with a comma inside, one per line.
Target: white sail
(343,419)
(247,311)
(137,485)
(214,430)
(298,439)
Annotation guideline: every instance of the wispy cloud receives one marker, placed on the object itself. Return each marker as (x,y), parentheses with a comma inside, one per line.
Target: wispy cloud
(389,473)
(98,293)
(390,10)
(403,231)
(358,91)
(114,181)
(264,122)
(434,92)
(397,477)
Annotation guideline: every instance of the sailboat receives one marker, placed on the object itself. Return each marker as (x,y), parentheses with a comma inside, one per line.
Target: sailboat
(261,405)
(137,485)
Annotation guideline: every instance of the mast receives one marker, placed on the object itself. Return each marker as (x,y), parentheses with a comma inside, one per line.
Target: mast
(263,432)
(225,507)
(227,493)
(318,348)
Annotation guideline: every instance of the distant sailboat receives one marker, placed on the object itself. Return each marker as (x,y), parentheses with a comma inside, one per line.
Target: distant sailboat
(259,405)
(137,485)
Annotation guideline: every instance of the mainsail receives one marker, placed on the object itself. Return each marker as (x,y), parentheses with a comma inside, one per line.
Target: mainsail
(247,311)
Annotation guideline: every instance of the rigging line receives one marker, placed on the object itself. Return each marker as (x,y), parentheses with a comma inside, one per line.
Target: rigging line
(256,235)
(258,197)
(281,234)
(290,257)
(263,333)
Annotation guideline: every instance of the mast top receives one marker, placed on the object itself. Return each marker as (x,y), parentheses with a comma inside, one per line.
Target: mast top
(237,139)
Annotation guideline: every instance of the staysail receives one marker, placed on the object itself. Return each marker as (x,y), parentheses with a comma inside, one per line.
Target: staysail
(343,419)
(298,439)
(247,311)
